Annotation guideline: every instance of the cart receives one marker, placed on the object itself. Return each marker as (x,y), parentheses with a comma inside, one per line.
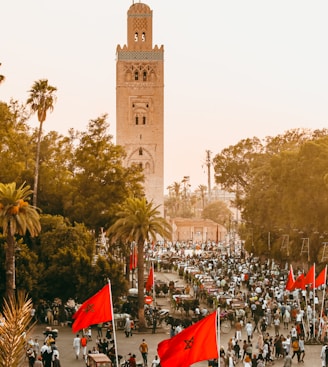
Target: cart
(99,360)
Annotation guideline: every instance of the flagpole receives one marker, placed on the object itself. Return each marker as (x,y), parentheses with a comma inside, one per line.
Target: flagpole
(313,282)
(307,318)
(218,334)
(113,323)
(321,310)
(153,285)
(323,300)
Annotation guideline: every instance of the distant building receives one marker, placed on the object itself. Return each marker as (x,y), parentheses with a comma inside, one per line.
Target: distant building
(140,101)
(197,230)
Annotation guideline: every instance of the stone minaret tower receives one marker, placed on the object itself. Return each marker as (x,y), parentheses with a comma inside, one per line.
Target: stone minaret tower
(140,101)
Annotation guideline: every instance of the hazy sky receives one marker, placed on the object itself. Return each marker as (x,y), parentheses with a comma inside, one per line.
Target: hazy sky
(233,69)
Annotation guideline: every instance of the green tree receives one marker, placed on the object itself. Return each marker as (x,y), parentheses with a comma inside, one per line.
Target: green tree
(140,221)
(41,100)
(100,179)
(15,145)
(218,212)
(172,203)
(66,253)
(16,217)
(287,196)
(233,165)
(202,191)
(56,172)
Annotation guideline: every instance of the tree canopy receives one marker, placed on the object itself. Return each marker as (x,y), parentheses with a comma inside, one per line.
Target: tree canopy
(283,190)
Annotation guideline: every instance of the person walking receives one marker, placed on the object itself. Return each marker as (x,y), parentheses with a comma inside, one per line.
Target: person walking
(38,362)
(249,331)
(154,326)
(247,361)
(127,327)
(56,362)
(323,354)
(296,349)
(84,342)
(46,354)
(288,361)
(132,361)
(302,349)
(31,356)
(155,362)
(99,330)
(238,329)
(77,345)
(276,323)
(109,332)
(286,319)
(143,348)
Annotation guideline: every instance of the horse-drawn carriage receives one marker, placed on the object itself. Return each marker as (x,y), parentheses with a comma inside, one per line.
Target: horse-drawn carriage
(235,310)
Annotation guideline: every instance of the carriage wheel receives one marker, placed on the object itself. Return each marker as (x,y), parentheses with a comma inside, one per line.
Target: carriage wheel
(225,326)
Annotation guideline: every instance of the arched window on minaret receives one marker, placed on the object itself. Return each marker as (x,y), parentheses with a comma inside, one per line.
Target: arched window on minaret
(137,120)
(140,165)
(136,75)
(136,37)
(140,151)
(143,37)
(144,76)
(144,120)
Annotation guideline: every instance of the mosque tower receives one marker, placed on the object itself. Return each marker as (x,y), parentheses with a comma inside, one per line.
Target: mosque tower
(140,101)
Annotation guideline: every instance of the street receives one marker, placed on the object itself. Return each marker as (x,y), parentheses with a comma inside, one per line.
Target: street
(126,345)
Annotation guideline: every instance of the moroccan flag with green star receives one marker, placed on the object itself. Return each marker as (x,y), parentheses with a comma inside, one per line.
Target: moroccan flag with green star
(94,310)
(196,343)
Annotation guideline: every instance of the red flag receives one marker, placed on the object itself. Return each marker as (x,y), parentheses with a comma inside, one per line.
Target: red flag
(290,280)
(94,310)
(133,258)
(196,343)
(299,282)
(150,280)
(310,276)
(321,279)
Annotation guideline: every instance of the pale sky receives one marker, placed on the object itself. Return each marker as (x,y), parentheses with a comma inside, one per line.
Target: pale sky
(233,69)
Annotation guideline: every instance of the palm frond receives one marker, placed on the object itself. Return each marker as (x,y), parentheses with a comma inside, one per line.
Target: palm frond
(17,316)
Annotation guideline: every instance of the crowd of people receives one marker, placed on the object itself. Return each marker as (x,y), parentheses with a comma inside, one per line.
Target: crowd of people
(276,324)
(106,345)
(46,355)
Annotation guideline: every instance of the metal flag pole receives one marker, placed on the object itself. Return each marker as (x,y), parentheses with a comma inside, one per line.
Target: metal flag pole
(153,285)
(113,322)
(218,334)
(322,302)
(313,285)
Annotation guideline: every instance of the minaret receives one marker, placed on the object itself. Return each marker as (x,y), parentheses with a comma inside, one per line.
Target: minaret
(140,101)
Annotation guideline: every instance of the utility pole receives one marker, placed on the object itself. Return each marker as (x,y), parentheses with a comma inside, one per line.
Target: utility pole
(208,164)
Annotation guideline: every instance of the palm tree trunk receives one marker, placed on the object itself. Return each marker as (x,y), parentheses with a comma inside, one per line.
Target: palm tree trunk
(141,296)
(37,164)
(10,267)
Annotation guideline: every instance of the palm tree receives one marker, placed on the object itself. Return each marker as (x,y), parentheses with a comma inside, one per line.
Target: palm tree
(202,190)
(41,100)
(174,198)
(139,221)
(16,217)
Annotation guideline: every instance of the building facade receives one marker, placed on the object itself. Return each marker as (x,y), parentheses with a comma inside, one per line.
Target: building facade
(197,230)
(140,101)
